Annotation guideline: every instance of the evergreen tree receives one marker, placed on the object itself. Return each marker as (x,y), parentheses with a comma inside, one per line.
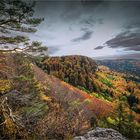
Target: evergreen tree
(17,15)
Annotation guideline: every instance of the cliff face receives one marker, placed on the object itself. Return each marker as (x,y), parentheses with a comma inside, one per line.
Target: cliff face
(101,134)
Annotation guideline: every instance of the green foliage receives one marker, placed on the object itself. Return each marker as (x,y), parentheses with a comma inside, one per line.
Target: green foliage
(17,12)
(17,15)
(123,121)
(13,40)
(38,109)
(111,121)
(84,89)
(107,82)
(102,96)
(22,78)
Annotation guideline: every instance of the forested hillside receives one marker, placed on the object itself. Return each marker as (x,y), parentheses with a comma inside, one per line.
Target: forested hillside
(35,104)
(76,70)
(106,84)
(85,74)
(31,100)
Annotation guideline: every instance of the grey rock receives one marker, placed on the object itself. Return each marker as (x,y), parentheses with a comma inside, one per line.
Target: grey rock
(101,134)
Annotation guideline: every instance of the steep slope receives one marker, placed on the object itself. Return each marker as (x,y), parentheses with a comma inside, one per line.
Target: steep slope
(100,82)
(35,104)
(86,75)
(68,94)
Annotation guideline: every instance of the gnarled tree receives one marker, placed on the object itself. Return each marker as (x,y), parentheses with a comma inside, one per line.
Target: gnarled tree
(17,15)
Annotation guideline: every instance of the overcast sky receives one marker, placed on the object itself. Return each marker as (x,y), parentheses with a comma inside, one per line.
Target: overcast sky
(91,28)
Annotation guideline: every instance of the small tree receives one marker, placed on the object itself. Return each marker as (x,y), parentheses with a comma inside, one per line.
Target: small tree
(124,119)
(121,113)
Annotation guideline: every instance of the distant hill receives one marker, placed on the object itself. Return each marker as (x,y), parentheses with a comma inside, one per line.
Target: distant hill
(129,66)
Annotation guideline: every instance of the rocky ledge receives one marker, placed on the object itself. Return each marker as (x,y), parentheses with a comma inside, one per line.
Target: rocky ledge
(101,134)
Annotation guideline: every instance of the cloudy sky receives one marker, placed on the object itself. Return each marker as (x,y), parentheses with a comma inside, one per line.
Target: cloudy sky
(92,28)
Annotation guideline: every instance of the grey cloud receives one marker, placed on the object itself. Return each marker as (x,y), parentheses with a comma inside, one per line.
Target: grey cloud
(134,24)
(87,35)
(128,40)
(134,48)
(88,21)
(82,16)
(99,47)
(79,10)
(85,29)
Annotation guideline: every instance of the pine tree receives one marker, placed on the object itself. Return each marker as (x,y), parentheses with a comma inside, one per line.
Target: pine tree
(17,15)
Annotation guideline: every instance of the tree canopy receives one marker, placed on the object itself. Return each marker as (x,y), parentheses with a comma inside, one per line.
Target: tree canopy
(17,15)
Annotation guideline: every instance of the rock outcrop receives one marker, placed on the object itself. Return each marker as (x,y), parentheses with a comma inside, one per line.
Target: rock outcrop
(101,134)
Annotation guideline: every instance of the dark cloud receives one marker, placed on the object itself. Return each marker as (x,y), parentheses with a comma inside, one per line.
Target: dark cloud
(134,48)
(91,2)
(124,56)
(129,40)
(80,18)
(99,47)
(87,35)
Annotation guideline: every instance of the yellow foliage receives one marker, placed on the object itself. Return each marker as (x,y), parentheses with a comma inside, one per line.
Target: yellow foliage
(87,101)
(110,120)
(5,86)
(10,126)
(44,97)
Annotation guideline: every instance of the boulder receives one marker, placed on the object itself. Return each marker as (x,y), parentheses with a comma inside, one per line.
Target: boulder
(101,134)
